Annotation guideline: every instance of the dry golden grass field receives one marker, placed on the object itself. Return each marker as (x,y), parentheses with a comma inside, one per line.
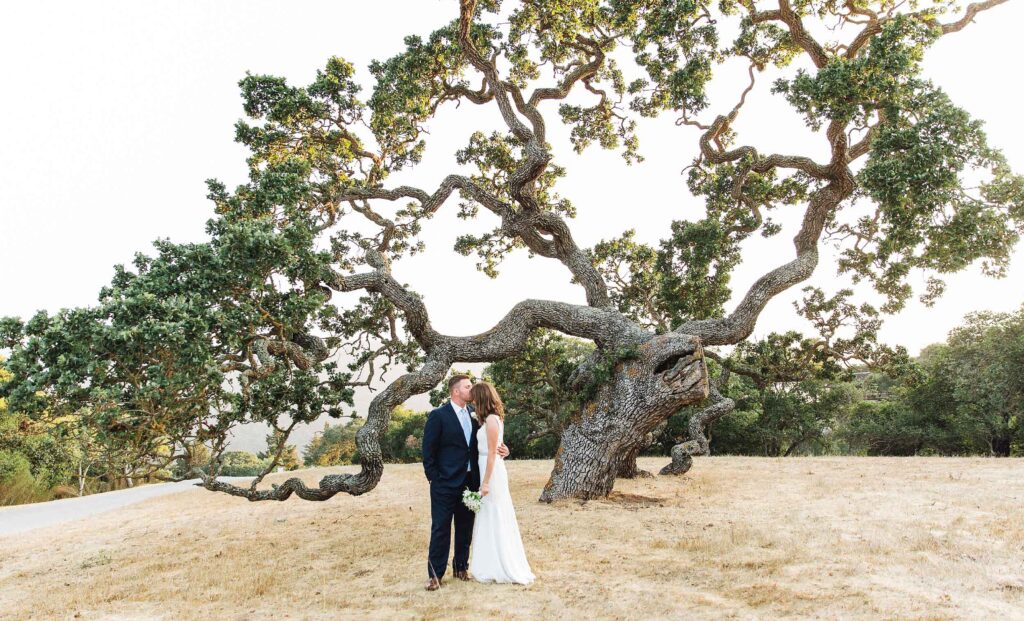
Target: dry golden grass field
(736,538)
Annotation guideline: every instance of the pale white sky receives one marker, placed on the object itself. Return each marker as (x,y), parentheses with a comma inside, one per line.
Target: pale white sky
(113,114)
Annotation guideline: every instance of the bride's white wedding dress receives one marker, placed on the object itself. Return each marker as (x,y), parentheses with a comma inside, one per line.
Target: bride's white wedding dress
(497,552)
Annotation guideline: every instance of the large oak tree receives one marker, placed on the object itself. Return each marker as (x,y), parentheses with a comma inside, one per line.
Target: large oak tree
(908,182)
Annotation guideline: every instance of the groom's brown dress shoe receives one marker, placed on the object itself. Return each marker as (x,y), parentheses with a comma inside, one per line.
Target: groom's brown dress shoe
(433,584)
(463,575)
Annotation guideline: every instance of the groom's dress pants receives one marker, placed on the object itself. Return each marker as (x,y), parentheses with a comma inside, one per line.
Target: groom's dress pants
(446,504)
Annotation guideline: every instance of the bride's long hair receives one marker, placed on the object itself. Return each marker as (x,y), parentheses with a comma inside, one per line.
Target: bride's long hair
(486,401)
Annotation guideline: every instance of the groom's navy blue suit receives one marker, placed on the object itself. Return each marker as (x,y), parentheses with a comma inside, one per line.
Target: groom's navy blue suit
(451,466)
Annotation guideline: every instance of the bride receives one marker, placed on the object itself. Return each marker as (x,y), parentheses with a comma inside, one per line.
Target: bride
(498,554)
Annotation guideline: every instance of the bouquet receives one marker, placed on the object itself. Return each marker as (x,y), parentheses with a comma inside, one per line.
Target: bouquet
(472,500)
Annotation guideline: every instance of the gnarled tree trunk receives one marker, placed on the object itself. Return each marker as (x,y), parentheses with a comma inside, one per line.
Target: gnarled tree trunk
(609,431)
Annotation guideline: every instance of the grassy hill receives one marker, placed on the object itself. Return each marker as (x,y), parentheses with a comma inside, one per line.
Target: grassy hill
(908,538)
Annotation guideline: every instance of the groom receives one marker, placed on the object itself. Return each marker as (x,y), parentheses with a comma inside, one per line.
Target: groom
(450,462)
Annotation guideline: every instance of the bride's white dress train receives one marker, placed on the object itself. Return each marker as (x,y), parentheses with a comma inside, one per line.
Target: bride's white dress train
(497,552)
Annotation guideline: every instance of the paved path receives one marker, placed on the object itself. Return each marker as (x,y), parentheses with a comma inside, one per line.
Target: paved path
(21,518)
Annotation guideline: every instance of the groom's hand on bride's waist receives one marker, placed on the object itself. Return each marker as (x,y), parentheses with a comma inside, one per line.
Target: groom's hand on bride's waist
(503,450)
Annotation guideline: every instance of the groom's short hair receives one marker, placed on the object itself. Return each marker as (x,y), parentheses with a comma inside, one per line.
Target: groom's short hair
(455,379)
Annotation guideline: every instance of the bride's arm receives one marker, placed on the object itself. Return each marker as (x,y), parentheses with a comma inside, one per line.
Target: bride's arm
(492,446)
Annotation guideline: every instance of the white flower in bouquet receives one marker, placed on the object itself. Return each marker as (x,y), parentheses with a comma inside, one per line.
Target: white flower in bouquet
(472,500)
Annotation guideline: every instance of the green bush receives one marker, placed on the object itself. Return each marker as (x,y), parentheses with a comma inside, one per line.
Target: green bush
(50,453)
(403,439)
(519,427)
(334,446)
(241,464)
(233,464)
(17,485)
(12,464)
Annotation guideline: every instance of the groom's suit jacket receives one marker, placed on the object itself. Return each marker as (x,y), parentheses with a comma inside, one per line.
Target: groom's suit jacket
(446,452)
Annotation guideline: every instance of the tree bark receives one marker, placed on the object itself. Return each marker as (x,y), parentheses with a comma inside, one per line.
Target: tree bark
(628,468)
(81,478)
